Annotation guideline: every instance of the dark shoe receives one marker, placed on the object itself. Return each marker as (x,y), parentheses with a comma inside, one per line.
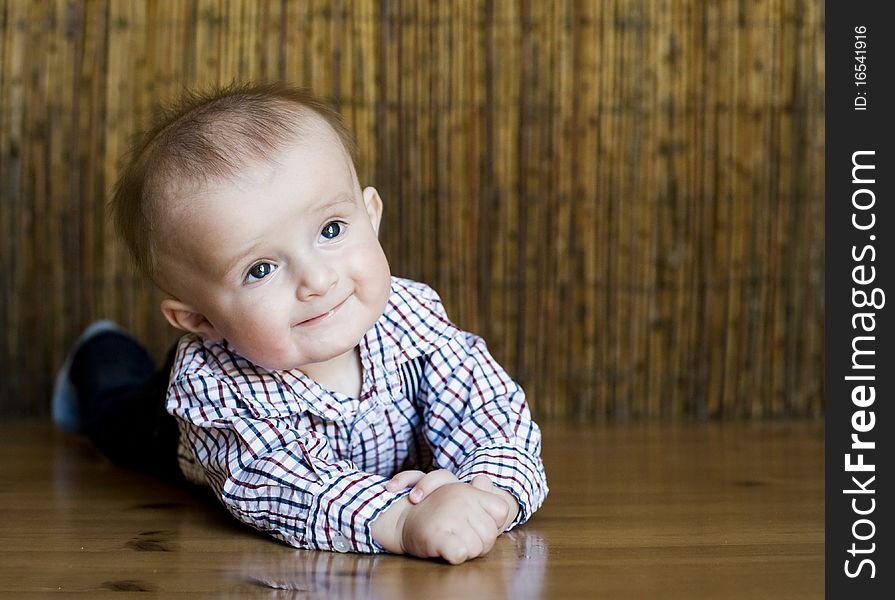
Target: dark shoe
(103,361)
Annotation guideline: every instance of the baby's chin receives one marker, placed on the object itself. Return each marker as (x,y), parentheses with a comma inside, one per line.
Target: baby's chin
(300,360)
(318,344)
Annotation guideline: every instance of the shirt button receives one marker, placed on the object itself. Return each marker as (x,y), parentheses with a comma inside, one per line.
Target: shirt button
(340,544)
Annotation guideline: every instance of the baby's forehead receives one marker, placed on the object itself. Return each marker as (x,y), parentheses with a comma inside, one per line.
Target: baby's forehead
(189,197)
(312,136)
(315,139)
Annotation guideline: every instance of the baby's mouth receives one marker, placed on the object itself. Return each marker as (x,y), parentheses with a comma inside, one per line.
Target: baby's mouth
(322,316)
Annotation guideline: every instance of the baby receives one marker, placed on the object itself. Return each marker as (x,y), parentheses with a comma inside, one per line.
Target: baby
(324,401)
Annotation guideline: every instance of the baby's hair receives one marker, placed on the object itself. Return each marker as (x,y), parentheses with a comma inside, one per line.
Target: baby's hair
(205,137)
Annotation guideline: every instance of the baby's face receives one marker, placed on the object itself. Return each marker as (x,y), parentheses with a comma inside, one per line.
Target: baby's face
(283,260)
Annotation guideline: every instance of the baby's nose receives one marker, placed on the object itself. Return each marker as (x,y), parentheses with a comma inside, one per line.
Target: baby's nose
(316,280)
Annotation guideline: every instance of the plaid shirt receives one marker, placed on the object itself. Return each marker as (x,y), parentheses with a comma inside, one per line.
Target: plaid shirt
(309,466)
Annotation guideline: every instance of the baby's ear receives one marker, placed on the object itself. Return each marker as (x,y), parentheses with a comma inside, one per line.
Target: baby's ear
(373,204)
(183,317)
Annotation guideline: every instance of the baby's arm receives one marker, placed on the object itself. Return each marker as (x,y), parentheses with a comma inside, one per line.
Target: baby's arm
(281,479)
(478,424)
(457,522)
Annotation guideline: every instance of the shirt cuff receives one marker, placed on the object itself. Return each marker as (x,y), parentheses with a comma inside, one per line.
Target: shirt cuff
(341,515)
(513,470)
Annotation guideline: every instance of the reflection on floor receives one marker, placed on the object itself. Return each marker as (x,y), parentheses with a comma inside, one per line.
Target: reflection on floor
(636,510)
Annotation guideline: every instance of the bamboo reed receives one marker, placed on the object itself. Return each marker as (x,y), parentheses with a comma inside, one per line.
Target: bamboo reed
(624,198)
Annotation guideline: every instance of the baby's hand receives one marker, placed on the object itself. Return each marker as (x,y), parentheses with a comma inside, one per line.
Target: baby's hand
(426,483)
(456,522)
(423,483)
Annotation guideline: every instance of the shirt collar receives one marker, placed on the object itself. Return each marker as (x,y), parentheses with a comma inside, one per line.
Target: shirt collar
(413,324)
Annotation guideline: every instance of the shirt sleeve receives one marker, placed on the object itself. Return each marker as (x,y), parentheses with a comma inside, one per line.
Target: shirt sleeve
(478,422)
(278,479)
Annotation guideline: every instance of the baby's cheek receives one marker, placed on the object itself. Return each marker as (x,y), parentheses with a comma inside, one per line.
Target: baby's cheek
(384,286)
(263,345)
(371,269)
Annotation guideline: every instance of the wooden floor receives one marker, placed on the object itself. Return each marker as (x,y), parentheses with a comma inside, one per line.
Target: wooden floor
(635,511)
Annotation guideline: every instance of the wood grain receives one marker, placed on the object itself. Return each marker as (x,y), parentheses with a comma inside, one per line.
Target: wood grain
(717,510)
(625,199)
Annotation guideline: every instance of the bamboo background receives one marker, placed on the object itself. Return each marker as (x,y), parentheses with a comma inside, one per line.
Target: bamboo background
(624,197)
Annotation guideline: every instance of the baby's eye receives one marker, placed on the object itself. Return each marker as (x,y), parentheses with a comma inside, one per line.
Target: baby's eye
(260,271)
(332,230)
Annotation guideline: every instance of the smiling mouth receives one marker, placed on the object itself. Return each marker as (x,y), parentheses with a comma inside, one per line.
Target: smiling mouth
(321,317)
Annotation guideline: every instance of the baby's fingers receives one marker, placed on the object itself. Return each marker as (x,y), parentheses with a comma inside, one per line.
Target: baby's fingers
(482,482)
(403,480)
(486,530)
(455,552)
(431,482)
(497,512)
(496,508)
(460,546)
